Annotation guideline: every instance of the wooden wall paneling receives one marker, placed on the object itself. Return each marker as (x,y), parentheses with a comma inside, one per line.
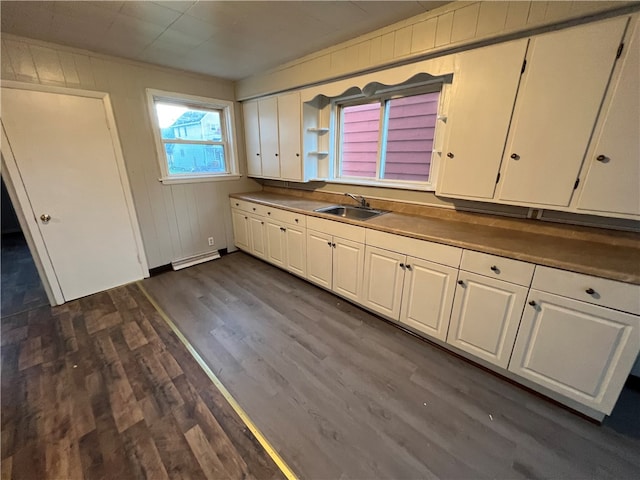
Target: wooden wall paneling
(364,53)
(68,66)
(375,55)
(387,43)
(7,68)
(557,10)
(85,72)
(517,15)
(21,60)
(48,66)
(402,45)
(492,17)
(424,35)
(465,21)
(443,30)
(537,12)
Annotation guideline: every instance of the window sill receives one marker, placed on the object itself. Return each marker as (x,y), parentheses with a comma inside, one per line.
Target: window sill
(424,187)
(198,178)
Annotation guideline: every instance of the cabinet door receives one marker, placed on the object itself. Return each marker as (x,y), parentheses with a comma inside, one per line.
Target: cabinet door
(485,317)
(582,351)
(348,259)
(257,234)
(484,90)
(290,131)
(268,120)
(240,229)
(560,94)
(252,138)
(383,280)
(319,258)
(296,250)
(612,182)
(428,296)
(276,252)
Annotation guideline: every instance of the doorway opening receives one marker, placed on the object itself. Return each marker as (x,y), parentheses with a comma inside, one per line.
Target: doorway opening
(20,282)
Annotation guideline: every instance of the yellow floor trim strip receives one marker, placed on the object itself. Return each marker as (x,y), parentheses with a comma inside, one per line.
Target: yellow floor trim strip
(284,468)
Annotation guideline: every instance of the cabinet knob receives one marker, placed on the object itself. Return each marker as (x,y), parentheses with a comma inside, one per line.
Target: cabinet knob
(237,204)
(297,154)
(268,213)
(276,154)
(408,267)
(494,268)
(329,243)
(602,158)
(533,303)
(460,282)
(590,291)
(282,229)
(261,223)
(450,155)
(246,218)
(296,220)
(257,154)
(333,245)
(402,265)
(254,209)
(515,156)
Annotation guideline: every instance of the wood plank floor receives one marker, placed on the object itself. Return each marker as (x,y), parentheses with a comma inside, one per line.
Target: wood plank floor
(101,388)
(342,394)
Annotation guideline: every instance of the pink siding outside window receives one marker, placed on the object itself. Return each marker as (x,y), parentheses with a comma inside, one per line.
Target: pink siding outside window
(409,140)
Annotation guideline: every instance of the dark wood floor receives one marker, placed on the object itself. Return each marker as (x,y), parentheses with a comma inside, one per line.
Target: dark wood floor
(342,394)
(101,388)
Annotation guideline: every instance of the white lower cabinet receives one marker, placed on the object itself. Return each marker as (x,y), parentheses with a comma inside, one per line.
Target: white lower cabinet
(296,248)
(384,279)
(240,221)
(582,351)
(335,263)
(257,236)
(485,317)
(428,296)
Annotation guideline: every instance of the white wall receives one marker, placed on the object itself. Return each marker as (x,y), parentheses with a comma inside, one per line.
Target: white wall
(452,26)
(175,220)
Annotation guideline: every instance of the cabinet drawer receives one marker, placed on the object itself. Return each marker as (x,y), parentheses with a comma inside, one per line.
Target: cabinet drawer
(343,230)
(599,291)
(434,252)
(286,216)
(248,206)
(506,269)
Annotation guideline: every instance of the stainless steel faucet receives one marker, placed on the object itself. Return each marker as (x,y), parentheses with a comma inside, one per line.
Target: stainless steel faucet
(359,198)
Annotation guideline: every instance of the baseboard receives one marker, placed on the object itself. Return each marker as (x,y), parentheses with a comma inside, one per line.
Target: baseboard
(194,260)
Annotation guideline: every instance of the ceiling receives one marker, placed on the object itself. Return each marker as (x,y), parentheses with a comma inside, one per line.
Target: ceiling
(228,39)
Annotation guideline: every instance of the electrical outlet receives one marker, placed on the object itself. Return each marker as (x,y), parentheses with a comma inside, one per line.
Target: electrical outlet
(210,239)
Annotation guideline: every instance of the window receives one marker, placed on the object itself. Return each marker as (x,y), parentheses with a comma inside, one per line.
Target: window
(194,137)
(387,139)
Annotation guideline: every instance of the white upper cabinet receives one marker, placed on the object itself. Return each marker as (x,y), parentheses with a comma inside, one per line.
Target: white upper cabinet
(289,133)
(483,93)
(268,120)
(612,180)
(252,138)
(273,137)
(560,94)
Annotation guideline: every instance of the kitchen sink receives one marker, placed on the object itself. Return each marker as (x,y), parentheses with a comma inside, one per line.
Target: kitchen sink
(354,213)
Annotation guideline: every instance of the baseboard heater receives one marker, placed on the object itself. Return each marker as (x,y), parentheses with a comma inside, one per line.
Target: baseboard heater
(194,260)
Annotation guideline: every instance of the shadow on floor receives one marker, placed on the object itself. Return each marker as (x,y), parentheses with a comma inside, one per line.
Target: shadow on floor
(20,283)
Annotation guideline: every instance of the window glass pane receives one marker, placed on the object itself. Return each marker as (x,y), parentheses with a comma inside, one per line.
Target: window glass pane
(188,123)
(410,132)
(360,132)
(184,158)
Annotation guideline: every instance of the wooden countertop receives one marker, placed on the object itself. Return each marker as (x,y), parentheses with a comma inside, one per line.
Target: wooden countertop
(599,252)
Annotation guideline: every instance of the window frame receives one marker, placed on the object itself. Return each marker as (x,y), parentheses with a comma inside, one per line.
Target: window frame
(382,96)
(227,130)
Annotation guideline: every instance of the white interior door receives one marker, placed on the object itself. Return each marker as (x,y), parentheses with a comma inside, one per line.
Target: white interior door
(65,154)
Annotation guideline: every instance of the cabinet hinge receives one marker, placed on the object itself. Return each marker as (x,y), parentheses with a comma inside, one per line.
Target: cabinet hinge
(498,177)
(575,185)
(524,65)
(619,52)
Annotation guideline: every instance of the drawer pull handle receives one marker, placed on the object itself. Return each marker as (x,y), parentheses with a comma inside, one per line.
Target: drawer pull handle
(460,282)
(590,291)
(533,303)
(494,268)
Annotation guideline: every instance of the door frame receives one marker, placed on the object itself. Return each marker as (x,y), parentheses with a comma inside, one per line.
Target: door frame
(20,197)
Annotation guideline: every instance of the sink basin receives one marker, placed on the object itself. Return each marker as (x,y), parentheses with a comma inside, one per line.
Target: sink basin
(354,213)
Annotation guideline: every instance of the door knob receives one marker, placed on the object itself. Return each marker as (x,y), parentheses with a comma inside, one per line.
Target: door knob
(45,217)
